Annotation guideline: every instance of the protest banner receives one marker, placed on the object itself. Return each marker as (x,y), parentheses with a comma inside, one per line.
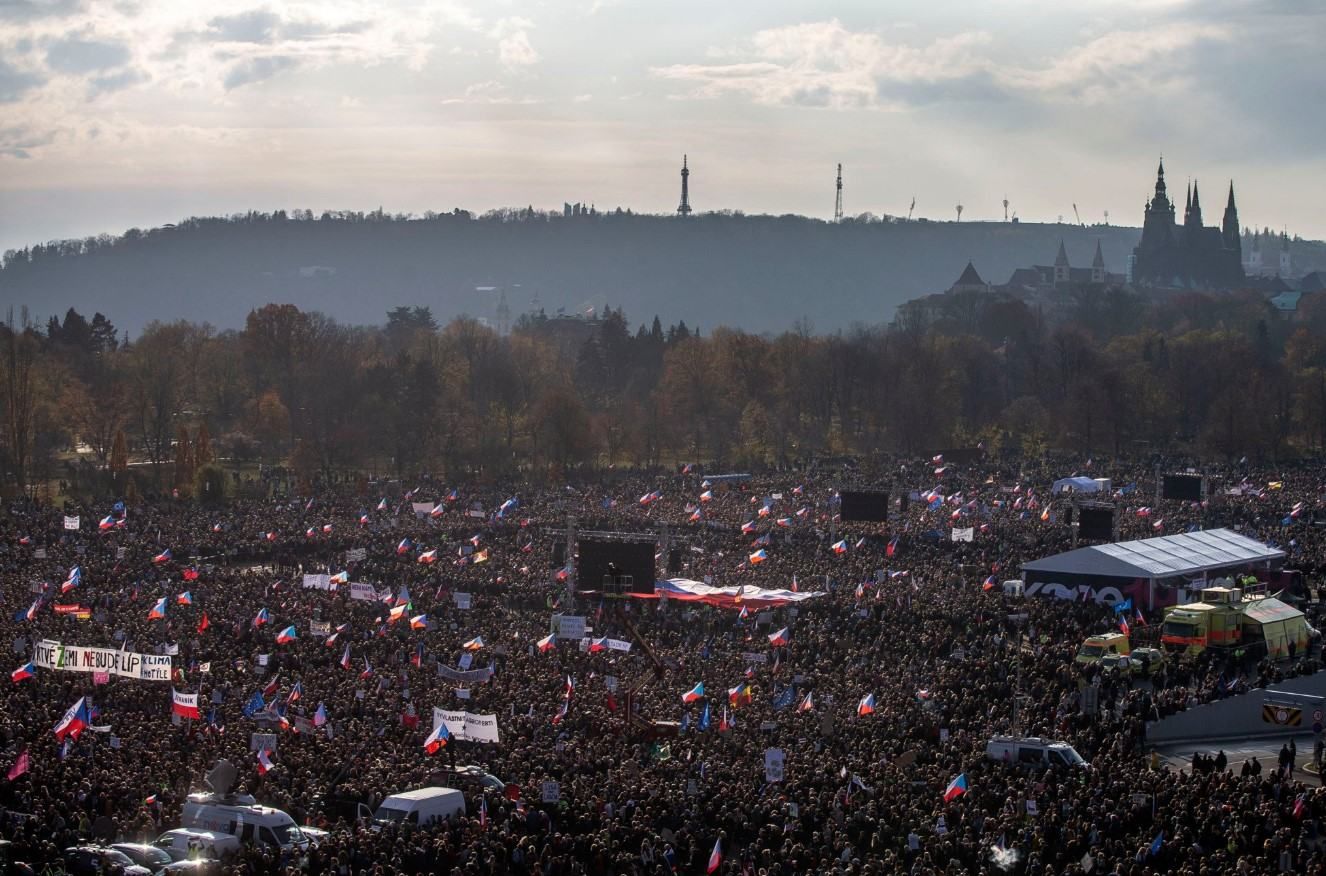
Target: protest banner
(462,600)
(366,592)
(319,628)
(50,654)
(467,726)
(568,626)
(467,677)
(318,582)
(966,533)
(262,742)
(70,522)
(774,761)
(356,555)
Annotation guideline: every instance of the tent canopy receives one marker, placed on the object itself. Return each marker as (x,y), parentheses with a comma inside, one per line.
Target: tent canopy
(1080,485)
(1186,554)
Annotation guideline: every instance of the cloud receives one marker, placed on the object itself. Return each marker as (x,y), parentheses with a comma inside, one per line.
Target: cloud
(30,10)
(259,69)
(14,83)
(513,46)
(17,141)
(117,81)
(253,26)
(823,64)
(79,56)
(489,93)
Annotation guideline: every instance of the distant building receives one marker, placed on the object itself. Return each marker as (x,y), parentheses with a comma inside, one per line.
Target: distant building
(970,281)
(1268,256)
(1040,280)
(1191,255)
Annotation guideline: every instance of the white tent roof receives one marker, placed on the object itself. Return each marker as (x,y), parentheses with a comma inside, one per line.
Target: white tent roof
(1185,554)
(1077,485)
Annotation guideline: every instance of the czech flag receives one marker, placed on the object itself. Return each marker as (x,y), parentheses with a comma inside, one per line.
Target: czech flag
(27,670)
(340,578)
(840,547)
(748,527)
(438,739)
(739,694)
(158,611)
(185,598)
(707,496)
(438,510)
(716,856)
(779,638)
(404,546)
(368,668)
(892,547)
(419,622)
(287,635)
(396,613)
(320,716)
(382,504)
(74,722)
(150,801)
(473,644)
(597,645)
(693,694)
(261,618)
(989,583)
(547,643)
(808,704)
(866,706)
(956,788)
(1123,626)
(345,658)
(265,764)
(310,533)
(758,557)
(784,522)
(428,557)
(163,557)
(107,523)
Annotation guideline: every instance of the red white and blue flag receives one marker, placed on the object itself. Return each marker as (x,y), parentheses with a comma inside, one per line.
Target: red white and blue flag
(956,788)
(74,721)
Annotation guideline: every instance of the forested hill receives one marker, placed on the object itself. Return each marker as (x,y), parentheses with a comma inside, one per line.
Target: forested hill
(754,272)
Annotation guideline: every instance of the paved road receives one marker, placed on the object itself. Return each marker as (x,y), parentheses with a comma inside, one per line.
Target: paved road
(1179,756)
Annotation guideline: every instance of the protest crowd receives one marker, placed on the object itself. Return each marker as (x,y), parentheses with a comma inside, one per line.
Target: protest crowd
(880,692)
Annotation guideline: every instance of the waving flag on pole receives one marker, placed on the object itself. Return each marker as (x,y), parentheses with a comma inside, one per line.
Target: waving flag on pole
(438,739)
(404,547)
(866,706)
(184,705)
(840,546)
(956,788)
(782,637)
(342,577)
(892,547)
(693,694)
(295,692)
(203,624)
(158,610)
(265,764)
(808,704)
(758,557)
(261,618)
(108,522)
(163,557)
(716,856)
(419,622)
(396,613)
(547,643)
(74,721)
(27,670)
(474,644)
(382,504)
(428,557)
(289,634)
(368,669)
(185,598)
(345,658)
(320,716)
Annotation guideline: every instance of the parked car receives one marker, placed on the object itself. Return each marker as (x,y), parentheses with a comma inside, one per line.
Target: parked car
(100,860)
(144,855)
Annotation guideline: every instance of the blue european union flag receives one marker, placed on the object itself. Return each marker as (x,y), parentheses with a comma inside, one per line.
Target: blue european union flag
(254,705)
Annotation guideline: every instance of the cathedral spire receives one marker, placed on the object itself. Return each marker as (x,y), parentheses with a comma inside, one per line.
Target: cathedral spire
(1196,206)
(1160,180)
(1229,228)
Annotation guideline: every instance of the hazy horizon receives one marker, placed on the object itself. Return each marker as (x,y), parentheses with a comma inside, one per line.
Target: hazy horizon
(122,115)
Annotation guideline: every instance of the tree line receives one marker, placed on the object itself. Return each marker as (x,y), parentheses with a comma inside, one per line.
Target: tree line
(1117,373)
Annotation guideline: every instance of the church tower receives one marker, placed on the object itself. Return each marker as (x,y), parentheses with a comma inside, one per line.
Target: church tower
(1098,267)
(1286,265)
(1229,229)
(1061,268)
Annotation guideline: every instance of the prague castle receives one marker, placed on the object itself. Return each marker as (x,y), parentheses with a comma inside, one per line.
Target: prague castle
(1191,255)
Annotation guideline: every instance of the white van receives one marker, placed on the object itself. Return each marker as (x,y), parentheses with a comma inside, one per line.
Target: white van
(241,817)
(420,807)
(187,842)
(1032,751)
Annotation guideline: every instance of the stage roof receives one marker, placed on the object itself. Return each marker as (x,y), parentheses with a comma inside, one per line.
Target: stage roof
(1185,554)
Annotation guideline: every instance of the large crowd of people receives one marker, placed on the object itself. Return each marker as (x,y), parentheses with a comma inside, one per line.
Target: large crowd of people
(901,617)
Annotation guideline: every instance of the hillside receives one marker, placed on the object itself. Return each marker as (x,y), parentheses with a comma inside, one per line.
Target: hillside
(757,272)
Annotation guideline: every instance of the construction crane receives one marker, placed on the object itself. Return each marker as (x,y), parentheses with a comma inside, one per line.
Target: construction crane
(1077,216)
(911,208)
(1005,209)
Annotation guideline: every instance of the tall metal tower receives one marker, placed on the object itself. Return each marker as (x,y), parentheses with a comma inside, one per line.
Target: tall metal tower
(684,209)
(838,202)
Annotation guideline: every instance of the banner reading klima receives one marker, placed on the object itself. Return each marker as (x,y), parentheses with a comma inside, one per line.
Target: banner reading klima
(49,654)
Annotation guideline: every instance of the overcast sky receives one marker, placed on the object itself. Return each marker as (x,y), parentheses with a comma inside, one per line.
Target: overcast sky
(115,113)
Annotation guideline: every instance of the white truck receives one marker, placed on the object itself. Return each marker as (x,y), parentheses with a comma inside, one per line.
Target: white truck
(420,807)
